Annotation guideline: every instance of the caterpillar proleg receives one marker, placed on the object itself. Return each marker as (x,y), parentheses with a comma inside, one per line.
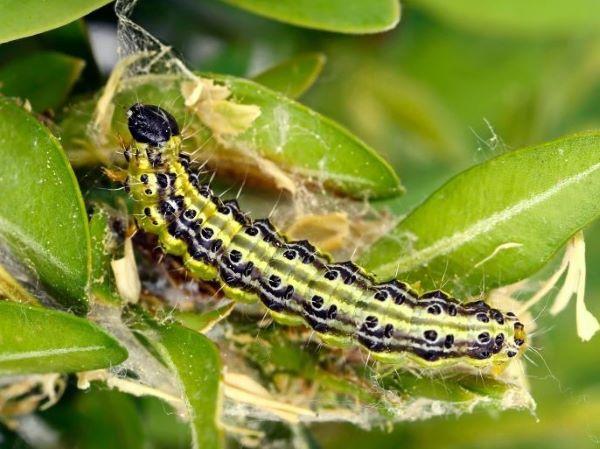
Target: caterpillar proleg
(253,261)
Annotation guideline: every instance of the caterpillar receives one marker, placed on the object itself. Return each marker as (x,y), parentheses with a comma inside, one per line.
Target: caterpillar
(298,285)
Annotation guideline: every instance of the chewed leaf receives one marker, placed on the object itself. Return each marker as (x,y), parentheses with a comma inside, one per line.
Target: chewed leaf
(517,17)
(103,284)
(574,284)
(329,232)
(38,340)
(44,79)
(342,16)
(204,322)
(309,144)
(26,18)
(227,117)
(573,269)
(285,133)
(195,361)
(126,275)
(294,76)
(497,222)
(42,215)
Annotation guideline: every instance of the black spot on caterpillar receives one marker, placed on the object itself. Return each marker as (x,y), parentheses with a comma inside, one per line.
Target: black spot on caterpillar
(298,285)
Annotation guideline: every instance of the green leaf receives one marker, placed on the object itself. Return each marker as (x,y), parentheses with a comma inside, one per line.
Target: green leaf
(163,428)
(81,418)
(42,215)
(497,222)
(291,135)
(307,143)
(94,428)
(102,279)
(45,78)
(203,322)
(342,16)
(517,16)
(21,18)
(195,361)
(39,340)
(294,76)
(71,39)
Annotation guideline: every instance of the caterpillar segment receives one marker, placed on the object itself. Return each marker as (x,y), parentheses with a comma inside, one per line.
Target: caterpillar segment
(253,262)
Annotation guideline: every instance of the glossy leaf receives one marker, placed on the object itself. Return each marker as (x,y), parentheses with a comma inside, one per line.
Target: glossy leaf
(21,18)
(195,361)
(39,340)
(294,76)
(342,16)
(497,222)
(71,39)
(97,429)
(103,285)
(298,138)
(203,322)
(517,16)
(45,78)
(84,423)
(286,132)
(163,427)
(42,215)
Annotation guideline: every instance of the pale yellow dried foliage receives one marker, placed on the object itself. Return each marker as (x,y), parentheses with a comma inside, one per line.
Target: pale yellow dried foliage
(126,275)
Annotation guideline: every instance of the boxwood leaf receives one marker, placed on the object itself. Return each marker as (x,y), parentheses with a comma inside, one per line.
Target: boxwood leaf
(21,18)
(195,361)
(102,283)
(39,340)
(298,138)
(499,221)
(83,421)
(293,136)
(343,16)
(294,76)
(517,17)
(44,78)
(203,322)
(42,215)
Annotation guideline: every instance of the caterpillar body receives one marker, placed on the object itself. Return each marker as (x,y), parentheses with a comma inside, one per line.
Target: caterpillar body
(254,262)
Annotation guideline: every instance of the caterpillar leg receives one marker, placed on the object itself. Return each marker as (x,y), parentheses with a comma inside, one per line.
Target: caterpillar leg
(286,319)
(336,341)
(199,268)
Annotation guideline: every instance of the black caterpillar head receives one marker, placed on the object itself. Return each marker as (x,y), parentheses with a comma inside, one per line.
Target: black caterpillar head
(151,124)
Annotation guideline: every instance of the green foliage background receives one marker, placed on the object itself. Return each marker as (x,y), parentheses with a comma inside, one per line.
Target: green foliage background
(454,84)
